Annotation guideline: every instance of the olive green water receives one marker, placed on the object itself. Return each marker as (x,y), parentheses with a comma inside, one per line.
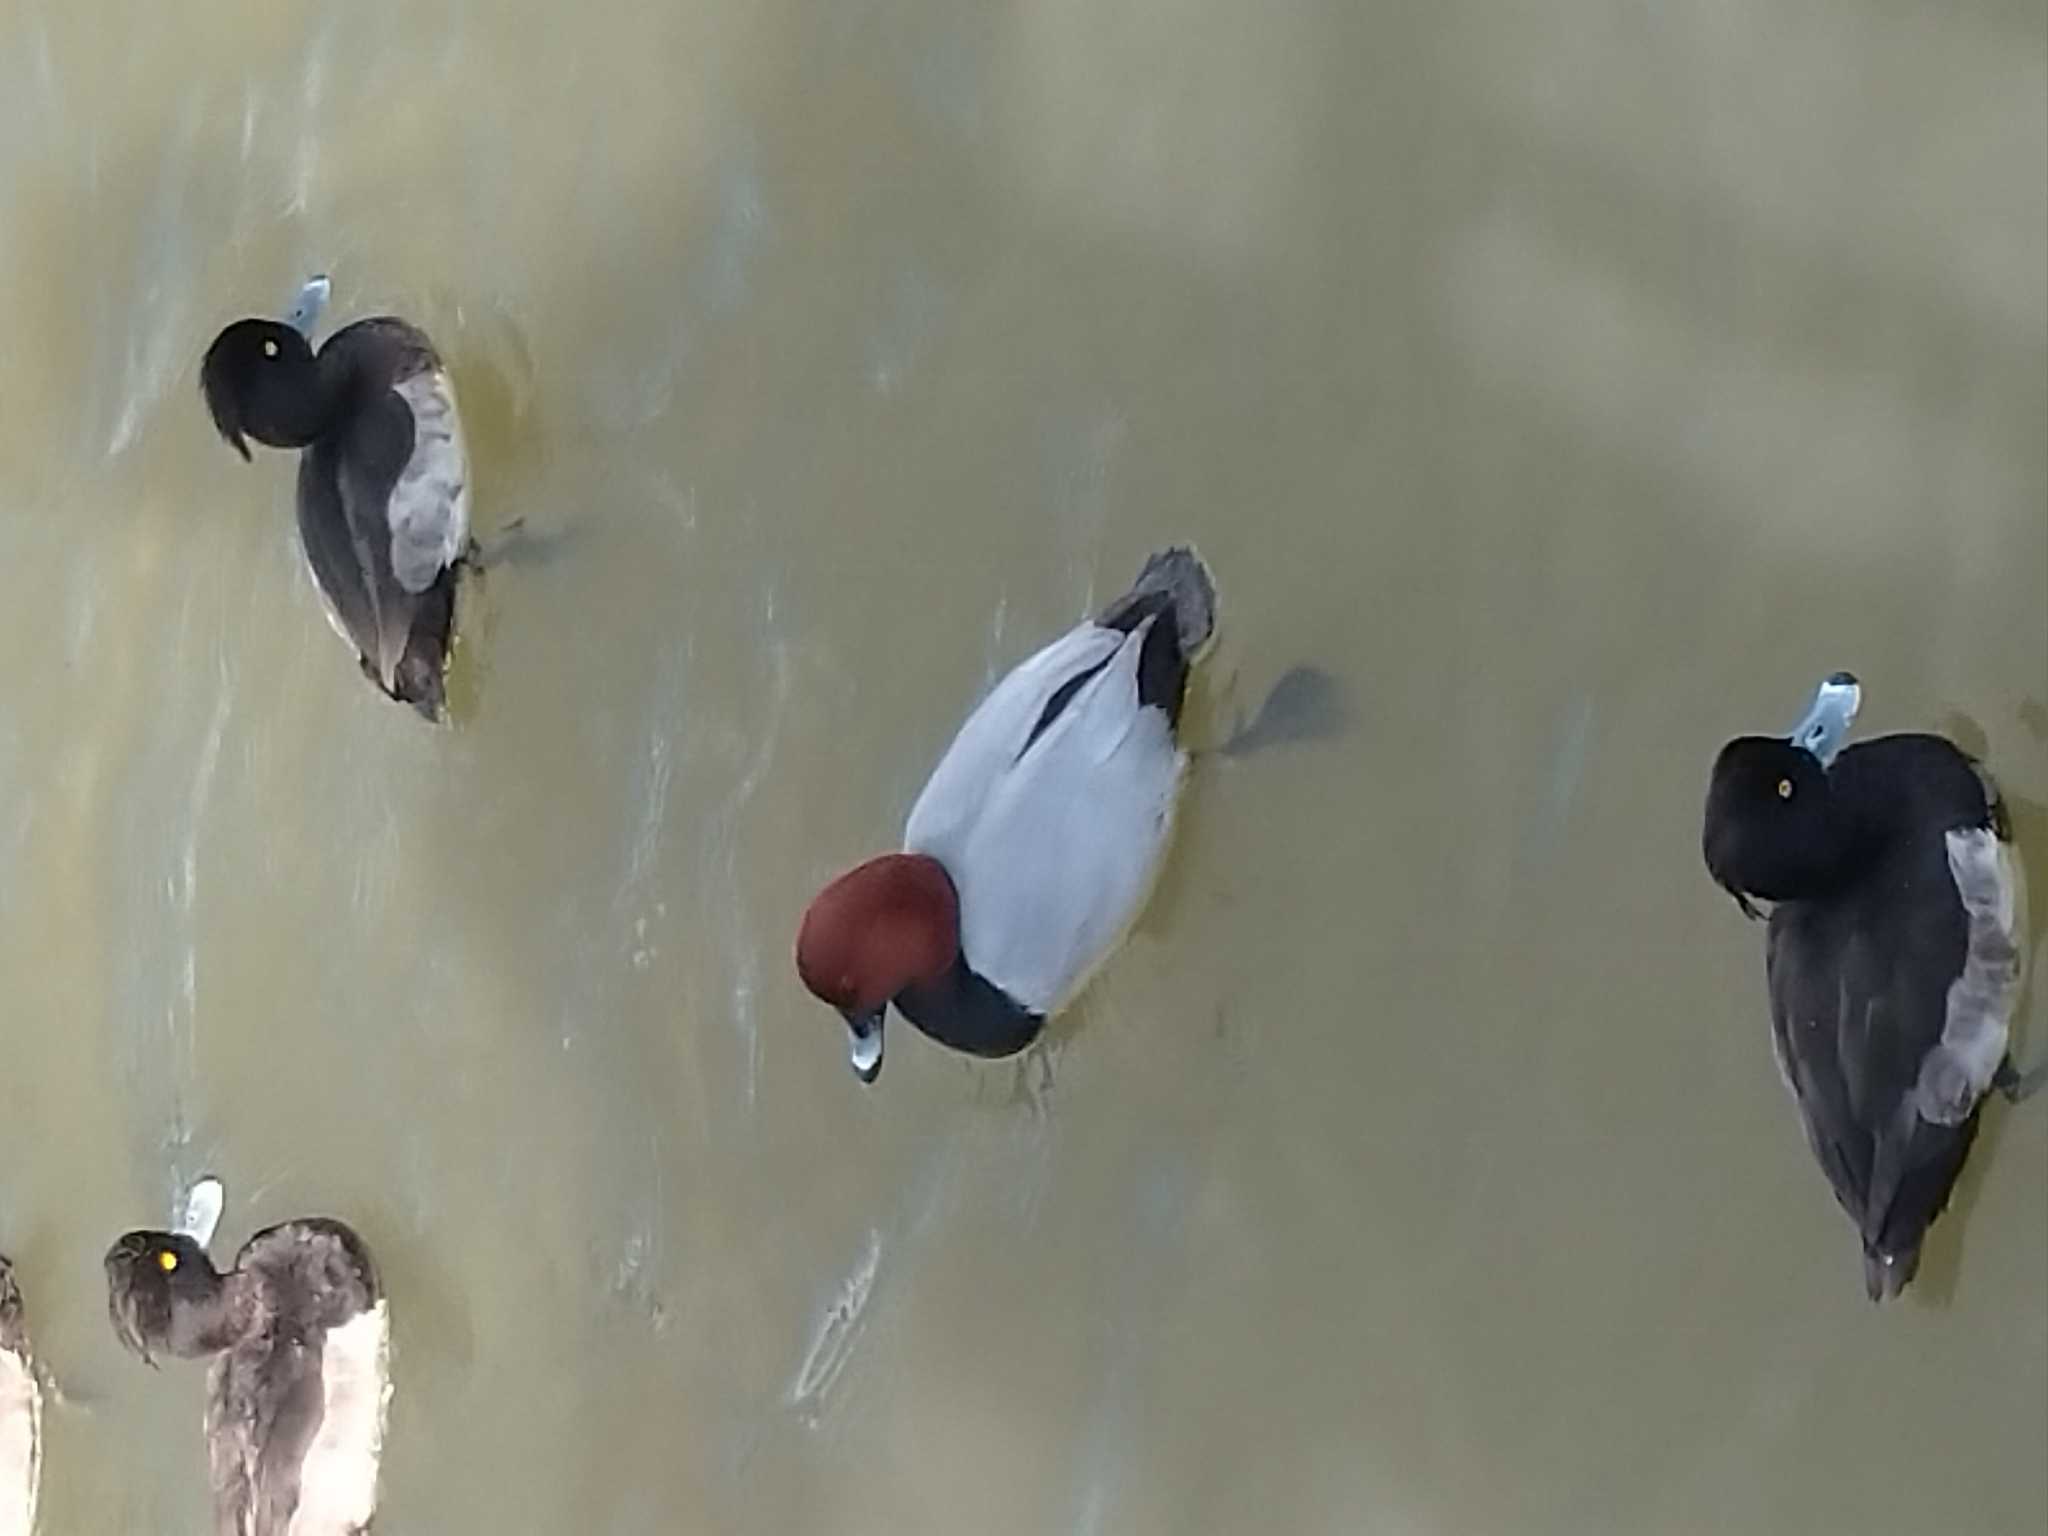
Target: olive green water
(1565,386)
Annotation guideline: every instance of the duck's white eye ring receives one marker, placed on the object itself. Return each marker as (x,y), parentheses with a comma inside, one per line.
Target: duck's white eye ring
(269,346)
(1784,789)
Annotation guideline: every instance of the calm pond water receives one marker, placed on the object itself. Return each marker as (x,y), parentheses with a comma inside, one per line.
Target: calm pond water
(1556,391)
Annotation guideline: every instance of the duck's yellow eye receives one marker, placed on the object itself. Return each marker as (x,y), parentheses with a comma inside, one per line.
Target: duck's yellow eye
(1784,789)
(166,1261)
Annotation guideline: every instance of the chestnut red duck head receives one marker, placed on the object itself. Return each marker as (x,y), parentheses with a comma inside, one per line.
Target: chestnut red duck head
(887,925)
(1034,843)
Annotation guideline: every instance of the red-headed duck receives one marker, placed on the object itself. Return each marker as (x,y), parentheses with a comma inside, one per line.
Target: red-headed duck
(1034,845)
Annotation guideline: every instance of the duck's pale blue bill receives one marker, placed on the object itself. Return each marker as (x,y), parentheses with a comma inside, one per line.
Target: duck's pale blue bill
(203,1205)
(864,1042)
(305,309)
(1829,717)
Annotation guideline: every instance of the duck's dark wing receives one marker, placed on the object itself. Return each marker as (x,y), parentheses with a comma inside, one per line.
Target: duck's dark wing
(1175,585)
(342,547)
(296,1416)
(263,1409)
(319,1271)
(348,486)
(1858,1001)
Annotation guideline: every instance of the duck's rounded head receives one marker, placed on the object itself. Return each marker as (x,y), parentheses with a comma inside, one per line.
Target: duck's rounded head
(889,924)
(260,381)
(1773,828)
(163,1293)
(1767,832)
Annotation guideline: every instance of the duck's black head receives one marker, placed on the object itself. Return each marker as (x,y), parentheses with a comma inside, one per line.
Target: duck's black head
(164,1295)
(260,380)
(1772,828)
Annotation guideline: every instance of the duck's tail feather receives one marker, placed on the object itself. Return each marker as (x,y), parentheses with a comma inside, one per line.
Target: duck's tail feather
(1885,1275)
(1174,588)
(420,677)
(419,684)
(1174,578)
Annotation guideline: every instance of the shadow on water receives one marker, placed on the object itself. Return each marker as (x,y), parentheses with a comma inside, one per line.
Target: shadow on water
(514,547)
(437,1319)
(1942,1256)
(504,406)
(1305,704)
(521,546)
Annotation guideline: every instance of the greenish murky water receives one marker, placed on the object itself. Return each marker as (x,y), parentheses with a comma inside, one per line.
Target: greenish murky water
(1556,391)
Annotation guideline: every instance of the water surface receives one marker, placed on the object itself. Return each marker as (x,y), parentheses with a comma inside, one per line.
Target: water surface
(1556,390)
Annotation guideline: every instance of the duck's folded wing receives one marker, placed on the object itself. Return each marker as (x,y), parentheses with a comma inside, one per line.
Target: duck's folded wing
(399,516)
(1809,1025)
(342,562)
(1059,860)
(262,1412)
(956,795)
(1854,1027)
(1915,1161)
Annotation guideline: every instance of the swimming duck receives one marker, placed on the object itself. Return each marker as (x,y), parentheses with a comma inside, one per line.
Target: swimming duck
(1893,956)
(21,1414)
(1035,843)
(299,1331)
(383,495)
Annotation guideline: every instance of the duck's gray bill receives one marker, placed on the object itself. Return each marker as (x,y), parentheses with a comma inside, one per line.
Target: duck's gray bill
(1828,719)
(204,1203)
(305,310)
(864,1042)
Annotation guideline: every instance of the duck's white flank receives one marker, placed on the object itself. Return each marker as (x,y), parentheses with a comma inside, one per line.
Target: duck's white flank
(338,1479)
(429,508)
(1974,1033)
(21,1444)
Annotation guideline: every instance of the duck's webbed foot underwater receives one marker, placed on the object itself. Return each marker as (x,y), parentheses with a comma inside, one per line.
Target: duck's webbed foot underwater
(478,557)
(56,1396)
(2018,1086)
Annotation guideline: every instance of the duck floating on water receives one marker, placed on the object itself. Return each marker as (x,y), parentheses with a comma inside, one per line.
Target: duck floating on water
(299,1332)
(383,495)
(1893,957)
(21,1414)
(1035,843)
